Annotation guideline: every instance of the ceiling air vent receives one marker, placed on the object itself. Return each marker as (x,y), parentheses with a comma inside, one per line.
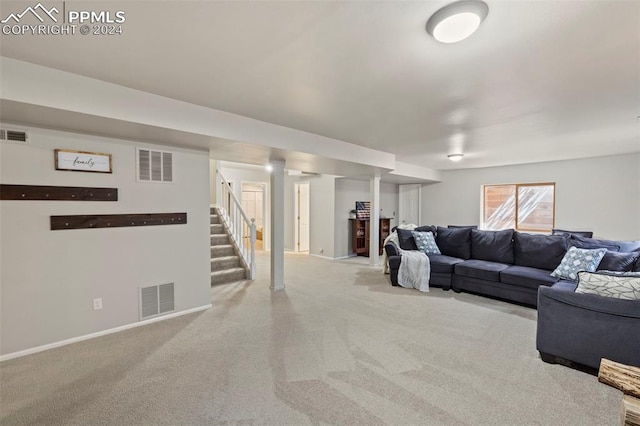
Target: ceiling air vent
(13,135)
(156,300)
(154,166)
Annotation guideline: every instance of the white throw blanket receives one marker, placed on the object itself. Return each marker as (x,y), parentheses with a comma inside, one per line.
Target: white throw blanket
(393,237)
(414,270)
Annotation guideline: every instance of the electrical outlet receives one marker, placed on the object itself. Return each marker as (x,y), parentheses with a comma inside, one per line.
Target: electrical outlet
(97,303)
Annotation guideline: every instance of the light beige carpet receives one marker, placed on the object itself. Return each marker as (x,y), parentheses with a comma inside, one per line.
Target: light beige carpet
(339,346)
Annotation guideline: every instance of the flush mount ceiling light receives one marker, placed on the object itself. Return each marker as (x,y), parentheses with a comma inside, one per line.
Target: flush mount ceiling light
(455,157)
(457,21)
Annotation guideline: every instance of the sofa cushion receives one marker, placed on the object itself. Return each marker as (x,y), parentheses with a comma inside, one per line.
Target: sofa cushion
(525,276)
(405,238)
(619,286)
(443,264)
(495,246)
(425,242)
(618,261)
(425,228)
(463,226)
(593,243)
(539,251)
(629,246)
(455,242)
(587,234)
(565,285)
(576,260)
(480,269)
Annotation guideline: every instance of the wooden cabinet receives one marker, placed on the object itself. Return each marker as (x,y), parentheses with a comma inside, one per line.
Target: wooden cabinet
(360,235)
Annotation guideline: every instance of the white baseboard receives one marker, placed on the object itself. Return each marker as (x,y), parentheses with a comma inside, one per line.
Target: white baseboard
(100,333)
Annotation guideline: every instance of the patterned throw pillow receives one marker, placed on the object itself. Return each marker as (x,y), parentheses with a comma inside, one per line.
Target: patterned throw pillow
(576,260)
(619,285)
(426,242)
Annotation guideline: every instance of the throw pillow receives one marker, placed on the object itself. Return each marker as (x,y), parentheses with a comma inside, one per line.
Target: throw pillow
(454,242)
(426,242)
(425,228)
(539,251)
(405,238)
(620,286)
(577,260)
(593,243)
(494,246)
(618,261)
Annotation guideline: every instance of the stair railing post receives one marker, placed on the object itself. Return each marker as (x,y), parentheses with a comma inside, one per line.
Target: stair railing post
(252,266)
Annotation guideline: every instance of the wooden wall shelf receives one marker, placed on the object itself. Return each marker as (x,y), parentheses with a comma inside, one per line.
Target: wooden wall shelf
(57,193)
(116,220)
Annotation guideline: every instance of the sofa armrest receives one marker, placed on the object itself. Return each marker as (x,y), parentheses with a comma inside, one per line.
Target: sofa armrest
(584,328)
(391,249)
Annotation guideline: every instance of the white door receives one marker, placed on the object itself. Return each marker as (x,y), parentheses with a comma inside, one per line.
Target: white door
(253,206)
(302,216)
(409,204)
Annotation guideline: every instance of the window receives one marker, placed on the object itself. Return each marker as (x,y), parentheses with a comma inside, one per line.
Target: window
(524,207)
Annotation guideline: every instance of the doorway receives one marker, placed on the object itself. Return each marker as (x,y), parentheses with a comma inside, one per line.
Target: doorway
(253,204)
(302,216)
(409,206)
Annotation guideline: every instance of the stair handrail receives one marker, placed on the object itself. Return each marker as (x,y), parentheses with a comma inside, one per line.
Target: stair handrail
(235,217)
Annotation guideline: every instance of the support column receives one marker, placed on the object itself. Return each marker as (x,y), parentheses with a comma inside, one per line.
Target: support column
(277,225)
(214,189)
(374,223)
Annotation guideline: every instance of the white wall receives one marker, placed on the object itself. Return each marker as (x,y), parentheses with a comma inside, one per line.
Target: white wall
(321,215)
(348,191)
(599,194)
(49,278)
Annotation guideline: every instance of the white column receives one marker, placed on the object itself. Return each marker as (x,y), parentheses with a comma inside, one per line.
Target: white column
(277,225)
(374,224)
(213,182)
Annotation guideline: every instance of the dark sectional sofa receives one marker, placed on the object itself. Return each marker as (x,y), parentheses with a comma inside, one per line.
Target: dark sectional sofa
(516,267)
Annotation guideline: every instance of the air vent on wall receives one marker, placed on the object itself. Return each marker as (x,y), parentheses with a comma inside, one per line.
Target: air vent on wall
(13,135)
(155,166)
(156,300)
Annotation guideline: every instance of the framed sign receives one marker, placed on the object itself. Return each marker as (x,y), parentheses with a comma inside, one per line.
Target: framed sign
(82,161)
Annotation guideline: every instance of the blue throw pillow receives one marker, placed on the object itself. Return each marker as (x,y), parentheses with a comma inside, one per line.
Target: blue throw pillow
(618,261)
(426,242)
(593,243)
(405,238)
(577,260)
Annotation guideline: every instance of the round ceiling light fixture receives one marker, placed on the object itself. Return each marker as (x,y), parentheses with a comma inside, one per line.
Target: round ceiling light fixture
(455,157)
(457,21)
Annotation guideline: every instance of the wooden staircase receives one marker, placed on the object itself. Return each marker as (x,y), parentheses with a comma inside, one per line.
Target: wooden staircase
(226,263)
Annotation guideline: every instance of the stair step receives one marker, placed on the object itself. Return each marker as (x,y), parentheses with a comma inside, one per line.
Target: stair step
(225,262)
(219,239)
(212,210)
(228,275)
(217,228)
(215,219)
(222,250)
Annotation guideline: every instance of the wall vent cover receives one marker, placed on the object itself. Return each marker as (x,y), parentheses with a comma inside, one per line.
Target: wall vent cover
(13,135)
(155,166)
(156,300)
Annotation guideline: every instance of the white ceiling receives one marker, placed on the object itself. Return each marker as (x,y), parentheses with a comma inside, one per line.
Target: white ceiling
(539,81)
